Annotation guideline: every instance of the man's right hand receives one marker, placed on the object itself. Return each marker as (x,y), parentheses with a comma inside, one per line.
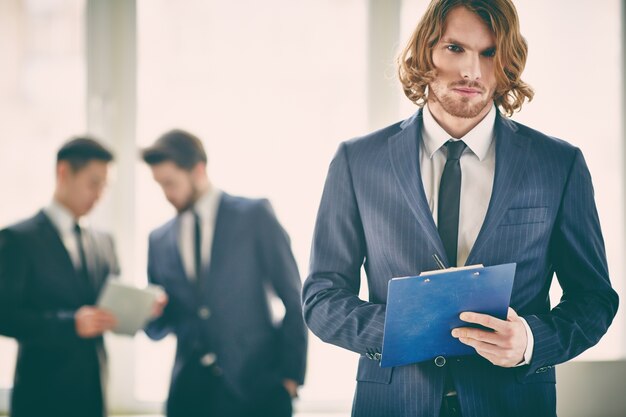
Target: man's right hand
(92,321)
(159,305)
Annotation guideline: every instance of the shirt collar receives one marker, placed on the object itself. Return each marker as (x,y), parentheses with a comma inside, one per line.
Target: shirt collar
(208,201)
(478,140)
(62,217)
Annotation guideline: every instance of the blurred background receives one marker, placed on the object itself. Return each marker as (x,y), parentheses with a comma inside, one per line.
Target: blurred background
(272,87)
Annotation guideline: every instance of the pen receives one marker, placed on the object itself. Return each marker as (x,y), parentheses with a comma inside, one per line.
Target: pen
(438,261)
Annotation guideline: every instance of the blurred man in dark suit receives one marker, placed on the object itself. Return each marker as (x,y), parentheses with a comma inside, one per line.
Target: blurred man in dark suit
(52,267)
(219,260)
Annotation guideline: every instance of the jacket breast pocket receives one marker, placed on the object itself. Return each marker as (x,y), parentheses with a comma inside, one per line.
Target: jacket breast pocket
(370,371)
(527,215)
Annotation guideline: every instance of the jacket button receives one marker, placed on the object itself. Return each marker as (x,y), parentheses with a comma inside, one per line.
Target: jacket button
(208,359)
(541,370)
(204,313)
(377,356)
(440,361)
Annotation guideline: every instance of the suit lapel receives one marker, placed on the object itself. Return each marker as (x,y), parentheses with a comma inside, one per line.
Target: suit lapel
(59,253)
(405,161)
(172,240)
(98,260)
(511,156)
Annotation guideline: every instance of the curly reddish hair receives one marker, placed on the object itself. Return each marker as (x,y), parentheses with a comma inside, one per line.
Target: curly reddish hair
(415,65)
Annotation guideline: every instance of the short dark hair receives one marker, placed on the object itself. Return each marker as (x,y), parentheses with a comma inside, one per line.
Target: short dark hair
(80,150)
(178,146)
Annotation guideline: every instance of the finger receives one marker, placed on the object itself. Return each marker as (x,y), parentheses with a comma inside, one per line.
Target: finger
(105,318)
(97,319)
(157,311)
(101,328)
(503,361)
(110,318)
(102,324)
(481,346)
(105,313)
(511,315)
(477,334)
(87,310)
(162,299)
(108,322)
(494,359)
(89,331)
(484,320)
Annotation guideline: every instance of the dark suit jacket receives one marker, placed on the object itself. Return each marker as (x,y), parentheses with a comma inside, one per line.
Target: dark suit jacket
(57,372)
(250,257)
(541,215)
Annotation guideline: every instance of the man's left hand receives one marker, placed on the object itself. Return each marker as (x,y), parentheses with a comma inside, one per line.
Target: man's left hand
(504,346)
(291,387)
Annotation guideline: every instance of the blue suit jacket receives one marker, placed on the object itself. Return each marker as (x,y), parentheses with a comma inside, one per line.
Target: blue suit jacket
(250,257)
(541,215)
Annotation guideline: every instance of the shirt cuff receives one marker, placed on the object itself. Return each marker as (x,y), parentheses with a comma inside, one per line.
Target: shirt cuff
(530,344)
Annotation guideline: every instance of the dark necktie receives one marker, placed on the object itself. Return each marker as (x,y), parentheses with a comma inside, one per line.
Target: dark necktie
(197,245)
(83,270)
(450,199)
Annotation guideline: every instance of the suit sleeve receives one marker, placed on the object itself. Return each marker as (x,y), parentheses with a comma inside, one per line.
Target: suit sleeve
(160,327)
(588,303)
(32,326)
(282,274)
(332,308)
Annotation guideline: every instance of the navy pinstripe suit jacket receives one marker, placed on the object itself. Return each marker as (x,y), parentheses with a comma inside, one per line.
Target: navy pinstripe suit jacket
(542,216)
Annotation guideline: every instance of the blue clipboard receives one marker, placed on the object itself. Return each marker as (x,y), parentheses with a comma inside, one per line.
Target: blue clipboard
(423,310)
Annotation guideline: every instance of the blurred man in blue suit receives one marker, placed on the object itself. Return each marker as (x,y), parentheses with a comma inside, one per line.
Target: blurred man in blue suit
(460,180)
(220,260)
(52,268)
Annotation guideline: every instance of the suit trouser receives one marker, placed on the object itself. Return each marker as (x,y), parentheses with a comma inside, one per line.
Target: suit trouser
(201,391)
(53,398)
(450,407)
(450,404)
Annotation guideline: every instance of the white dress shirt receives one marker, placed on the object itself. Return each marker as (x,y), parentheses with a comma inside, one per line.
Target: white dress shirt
(478,166)
(206,207)
(64,221)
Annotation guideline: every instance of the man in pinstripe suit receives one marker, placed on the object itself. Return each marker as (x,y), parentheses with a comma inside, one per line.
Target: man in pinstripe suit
(460,180)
